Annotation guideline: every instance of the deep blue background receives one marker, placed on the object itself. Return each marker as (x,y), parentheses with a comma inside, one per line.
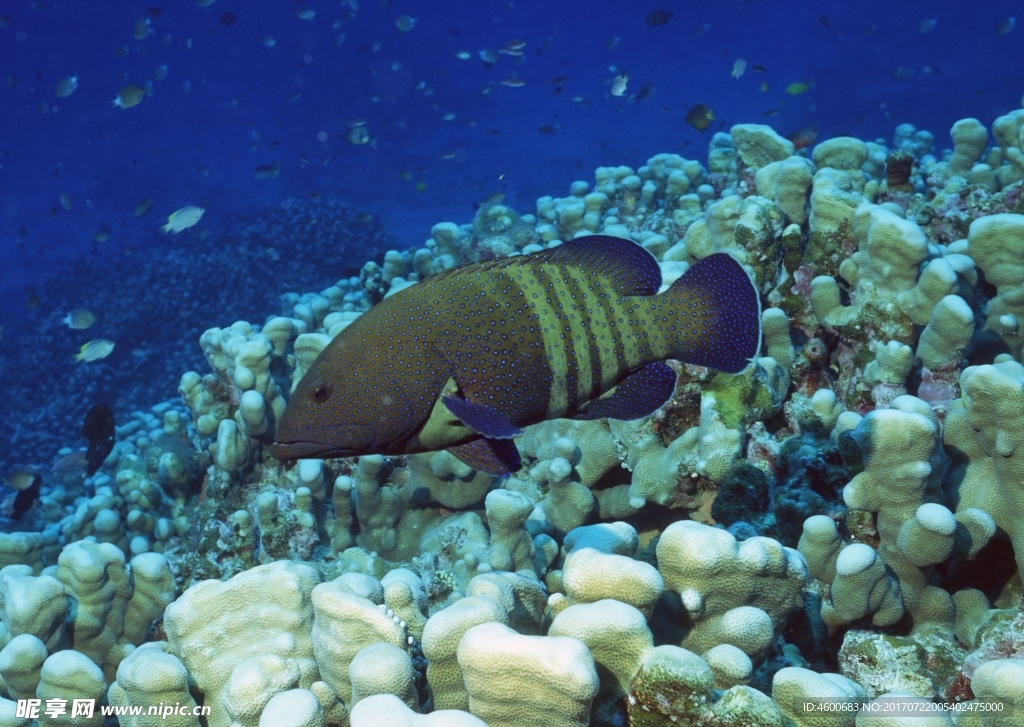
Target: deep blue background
(107,159)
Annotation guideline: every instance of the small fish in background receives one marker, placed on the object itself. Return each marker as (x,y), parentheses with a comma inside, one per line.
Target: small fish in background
(141,29)
(102,234)
(95,350)
(759,69)
(227,19)
(764,87)
(12,80)
(130,95)
(489,57)
(930,69)
(98,428)
(357,133)
(19,492)
(619,84)
(66,86)
(304,13)
(513,48)
(701,29)
(268,171)
(738,67)
(927,25)
(1004,26)
(33,301)
(404,23)
(901,73)
(204,3)
(183,219)
(513,82)
(65,201)
(771,112)
(656,18)
(644,93)
(824,21)
(142,208)
(160,73)
(804,137)
(700,117)
(268,41)
(70,466)
(463,55)
(795,89)
(79,319)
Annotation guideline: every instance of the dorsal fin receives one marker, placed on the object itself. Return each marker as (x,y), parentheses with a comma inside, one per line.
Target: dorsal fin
(632,270)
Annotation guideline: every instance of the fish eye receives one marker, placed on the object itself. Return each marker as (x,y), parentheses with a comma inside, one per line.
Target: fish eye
(321,393)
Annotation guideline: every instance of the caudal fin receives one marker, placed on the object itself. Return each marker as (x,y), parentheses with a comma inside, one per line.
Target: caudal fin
(718,312)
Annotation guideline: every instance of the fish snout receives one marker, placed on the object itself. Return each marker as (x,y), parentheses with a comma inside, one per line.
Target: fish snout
(345,441)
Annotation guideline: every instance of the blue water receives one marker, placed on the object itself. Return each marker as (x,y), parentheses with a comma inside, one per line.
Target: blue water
(867,64)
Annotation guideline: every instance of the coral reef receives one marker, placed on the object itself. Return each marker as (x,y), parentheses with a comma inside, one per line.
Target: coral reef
(840,524)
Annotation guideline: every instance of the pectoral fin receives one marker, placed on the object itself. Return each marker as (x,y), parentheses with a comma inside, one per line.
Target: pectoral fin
(493,456)
(481,418)
(641,393)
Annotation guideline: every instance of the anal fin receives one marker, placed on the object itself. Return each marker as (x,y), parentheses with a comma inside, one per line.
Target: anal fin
(493,456)
(641,393)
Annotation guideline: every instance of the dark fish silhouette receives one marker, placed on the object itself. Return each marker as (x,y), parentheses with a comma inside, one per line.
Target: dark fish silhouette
(464,359)
(658,17)
(26,498)
(19,492)
(99,430)
(700,117)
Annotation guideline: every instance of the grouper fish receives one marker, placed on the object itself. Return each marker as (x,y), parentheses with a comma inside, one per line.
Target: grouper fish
(464,359)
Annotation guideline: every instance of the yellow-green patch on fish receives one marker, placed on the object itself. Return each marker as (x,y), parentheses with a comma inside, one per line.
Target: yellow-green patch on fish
(95,350)
(183,219)
(464,359)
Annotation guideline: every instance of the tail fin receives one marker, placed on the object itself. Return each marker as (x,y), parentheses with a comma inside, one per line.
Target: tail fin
(719,315)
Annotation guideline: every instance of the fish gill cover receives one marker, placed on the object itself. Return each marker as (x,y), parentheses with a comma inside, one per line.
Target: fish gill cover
(198,198)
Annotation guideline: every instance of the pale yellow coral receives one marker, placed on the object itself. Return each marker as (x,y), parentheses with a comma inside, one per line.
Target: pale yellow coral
(149,676)
(441,638)
(617,637)
(591,575)
(714,575)
(344,624)
(213,626)
(516,680)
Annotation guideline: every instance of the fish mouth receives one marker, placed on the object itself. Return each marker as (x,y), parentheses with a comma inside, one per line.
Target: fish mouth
(287,451)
